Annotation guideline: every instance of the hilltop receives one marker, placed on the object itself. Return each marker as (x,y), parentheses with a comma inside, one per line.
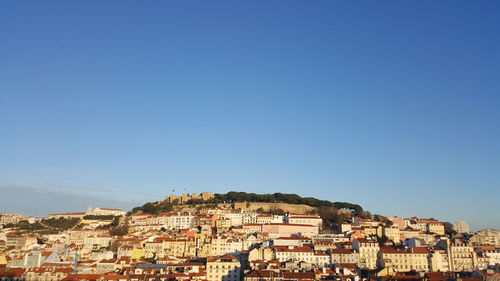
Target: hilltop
(275,203)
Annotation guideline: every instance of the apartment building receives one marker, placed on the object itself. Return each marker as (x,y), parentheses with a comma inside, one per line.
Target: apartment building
(304,219)
(225,268)
(404,260)
(368,252)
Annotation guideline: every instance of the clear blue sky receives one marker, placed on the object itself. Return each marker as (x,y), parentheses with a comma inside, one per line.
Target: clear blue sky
(394,105)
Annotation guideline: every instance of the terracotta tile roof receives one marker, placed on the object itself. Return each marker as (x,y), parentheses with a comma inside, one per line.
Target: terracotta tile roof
(78,277)
(351,266)
(287,275)
(342,251)
(293,249)
(262,273)
(420,250)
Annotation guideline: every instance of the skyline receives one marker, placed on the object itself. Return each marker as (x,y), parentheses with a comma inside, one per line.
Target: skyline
(390,105)
(71,199)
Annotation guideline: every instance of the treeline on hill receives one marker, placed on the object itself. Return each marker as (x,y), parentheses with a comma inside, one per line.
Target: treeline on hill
(94,217)
(329,211)
(152,208)
(234,196)
(47,226)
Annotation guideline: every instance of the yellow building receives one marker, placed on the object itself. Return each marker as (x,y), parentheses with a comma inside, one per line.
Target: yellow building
(3,259)
(138,253)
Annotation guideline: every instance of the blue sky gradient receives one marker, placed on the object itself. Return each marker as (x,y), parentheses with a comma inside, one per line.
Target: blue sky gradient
(389,104)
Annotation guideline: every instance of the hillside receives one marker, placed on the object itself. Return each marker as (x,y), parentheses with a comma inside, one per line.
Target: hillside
(277,203)
(233,197)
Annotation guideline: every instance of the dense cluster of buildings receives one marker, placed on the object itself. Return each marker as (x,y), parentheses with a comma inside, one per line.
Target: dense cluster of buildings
(227,244)
(6,219)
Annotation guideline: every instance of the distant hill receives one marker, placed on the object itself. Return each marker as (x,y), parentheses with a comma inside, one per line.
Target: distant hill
(234,197)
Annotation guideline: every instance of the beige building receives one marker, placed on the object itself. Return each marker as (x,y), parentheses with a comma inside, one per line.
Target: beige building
(344,256)
(301,254)
(487,237)
(264,218)
(404,260)
(435,227)
(392,233)
(461,227)
(226,268)
(222,224)
(368,253)
(223,245)
(263,254)
(96,242)
(461,255)
(439,261)
(179,247)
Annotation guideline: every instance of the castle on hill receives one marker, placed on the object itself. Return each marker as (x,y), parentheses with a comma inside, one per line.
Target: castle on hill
(186,197)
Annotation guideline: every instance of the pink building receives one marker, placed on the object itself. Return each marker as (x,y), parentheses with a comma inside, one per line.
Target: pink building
(276,230)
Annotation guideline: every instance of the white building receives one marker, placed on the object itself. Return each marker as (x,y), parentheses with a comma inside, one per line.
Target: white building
(302,253)
(235,216)
(105,212)
(304,219)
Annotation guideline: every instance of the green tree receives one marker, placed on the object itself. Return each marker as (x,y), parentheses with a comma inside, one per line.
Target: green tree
(382,240)
(276,211)
(150,208)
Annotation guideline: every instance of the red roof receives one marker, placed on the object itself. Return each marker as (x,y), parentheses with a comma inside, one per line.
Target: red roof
(11,272)
(293,249)
(77,277)
(420,250)
(392,250)
(342,251)
(291,224)
(351,266)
